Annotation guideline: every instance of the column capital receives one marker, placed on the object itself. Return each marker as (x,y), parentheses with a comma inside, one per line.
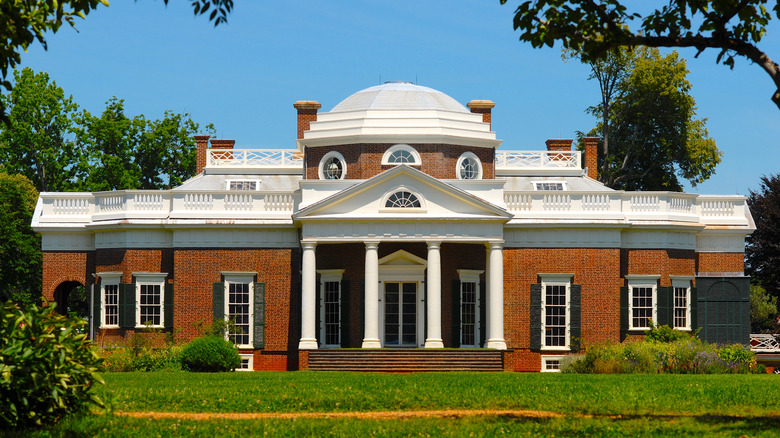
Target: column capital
(495,245)
(308,245)
(371,244)
(436,244)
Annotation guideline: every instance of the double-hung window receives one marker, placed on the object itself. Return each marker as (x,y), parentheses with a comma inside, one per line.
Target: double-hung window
(555,312)
(150,299)
(239,308)
(681,304)
(469,308)
(642,301)
(109,299)
(330,307)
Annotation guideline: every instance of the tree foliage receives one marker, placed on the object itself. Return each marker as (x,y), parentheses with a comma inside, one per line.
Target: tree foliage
(733,28)
(762,253)
(20,246)
(36,141)
(23,22)
(650,135)
(763,308)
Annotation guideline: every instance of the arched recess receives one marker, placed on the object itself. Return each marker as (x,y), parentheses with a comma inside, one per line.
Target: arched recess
(72,299)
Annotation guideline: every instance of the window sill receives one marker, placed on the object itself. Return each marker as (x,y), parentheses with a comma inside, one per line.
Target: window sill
(141,327)
(108,327)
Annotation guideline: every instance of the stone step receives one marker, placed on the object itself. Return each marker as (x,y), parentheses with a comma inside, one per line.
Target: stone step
(405,360)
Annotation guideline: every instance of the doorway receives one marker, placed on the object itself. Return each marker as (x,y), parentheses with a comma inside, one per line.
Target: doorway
(400,314)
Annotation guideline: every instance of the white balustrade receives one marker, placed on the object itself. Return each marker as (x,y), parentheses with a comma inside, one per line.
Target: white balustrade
(110,203)
(70,206)
(595,202)
(764,343)
(238,202)
(148,201)
(557,202)
(517,201)
(198,201)
(717,207)
(644,203)
(680,204)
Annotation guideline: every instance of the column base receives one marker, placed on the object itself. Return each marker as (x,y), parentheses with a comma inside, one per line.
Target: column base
(307,344)
(497,344)
(434,343)
(371,343)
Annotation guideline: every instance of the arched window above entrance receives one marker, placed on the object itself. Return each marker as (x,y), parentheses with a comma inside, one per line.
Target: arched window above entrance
(403,198)
(401,154)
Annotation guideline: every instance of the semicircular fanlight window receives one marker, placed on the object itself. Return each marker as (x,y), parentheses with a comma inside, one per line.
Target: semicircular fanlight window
(402,199)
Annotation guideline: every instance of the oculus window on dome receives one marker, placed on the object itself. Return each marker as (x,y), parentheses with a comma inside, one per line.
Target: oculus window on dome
(469,166)
(332,166)
(403,199)
(401,154)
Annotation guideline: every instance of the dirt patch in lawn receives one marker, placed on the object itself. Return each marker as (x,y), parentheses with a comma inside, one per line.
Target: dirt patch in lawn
(381,415)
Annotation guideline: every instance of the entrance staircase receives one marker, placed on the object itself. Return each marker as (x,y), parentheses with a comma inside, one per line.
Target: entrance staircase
(406,360)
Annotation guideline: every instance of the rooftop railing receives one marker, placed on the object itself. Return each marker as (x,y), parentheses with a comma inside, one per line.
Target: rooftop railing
(254,158)
(553,160)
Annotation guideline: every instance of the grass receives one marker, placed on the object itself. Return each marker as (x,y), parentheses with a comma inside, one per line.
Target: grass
(621,405)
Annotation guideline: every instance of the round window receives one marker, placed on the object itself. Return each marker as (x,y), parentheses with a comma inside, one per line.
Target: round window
(469,167)
(333,166)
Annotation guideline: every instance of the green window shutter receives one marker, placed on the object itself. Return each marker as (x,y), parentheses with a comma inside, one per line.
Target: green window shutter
(96,305)
(362,299)
(168,307)
(624,312)
(482,313)
(219,301)
(259,320)
(345,302)
(665,306)
(535,329)
(694,309)
(127,305)
(575,316)
(456,313)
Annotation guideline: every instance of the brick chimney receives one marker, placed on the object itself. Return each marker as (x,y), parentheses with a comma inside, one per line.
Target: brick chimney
(483,107)
(559,145)
(591,156)
(201,145)
(307,113)
(222,144)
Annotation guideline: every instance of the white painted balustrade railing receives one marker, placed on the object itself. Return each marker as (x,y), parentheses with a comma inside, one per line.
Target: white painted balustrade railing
(254,158)
(537,159)
(764,343)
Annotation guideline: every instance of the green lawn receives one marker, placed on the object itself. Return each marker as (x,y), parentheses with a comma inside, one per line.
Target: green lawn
(622,405)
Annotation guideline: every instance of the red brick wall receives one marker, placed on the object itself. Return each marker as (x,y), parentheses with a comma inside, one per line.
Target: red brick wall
(663,262)
(62,266)
(195,272)
(597,270)
(134,260)
(720,262)
(364,160)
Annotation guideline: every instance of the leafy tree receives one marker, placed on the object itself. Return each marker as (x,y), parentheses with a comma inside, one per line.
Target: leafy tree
(36,140)
(762,253)
(734,28)
(20,246)
(125,153)
(763,308)
(24,21)
(650,135)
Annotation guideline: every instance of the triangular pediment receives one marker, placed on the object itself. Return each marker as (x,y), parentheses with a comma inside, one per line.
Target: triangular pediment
(402,258)
(374,199)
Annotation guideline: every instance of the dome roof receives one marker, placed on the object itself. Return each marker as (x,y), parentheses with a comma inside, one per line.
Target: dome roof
(399,96)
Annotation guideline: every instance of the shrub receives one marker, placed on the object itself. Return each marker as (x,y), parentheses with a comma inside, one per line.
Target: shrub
(664,333)
(210,354)
(47,369)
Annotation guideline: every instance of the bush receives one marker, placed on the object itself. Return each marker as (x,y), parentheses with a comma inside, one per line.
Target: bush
(686,355)
(664,333)
(47,369)
(210,354)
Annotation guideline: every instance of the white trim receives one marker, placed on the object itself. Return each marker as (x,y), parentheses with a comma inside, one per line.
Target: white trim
(149,279)
(325,158)
(250,362)
(642,281)
(556,280)
(240,278)
(462,158)
(329,276)
(546,358)
(404,147)
(684,283)
(108,279)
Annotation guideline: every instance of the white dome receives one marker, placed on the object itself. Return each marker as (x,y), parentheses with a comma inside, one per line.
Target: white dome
(399,96)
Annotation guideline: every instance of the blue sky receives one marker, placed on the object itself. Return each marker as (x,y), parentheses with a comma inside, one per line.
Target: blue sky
(245,76)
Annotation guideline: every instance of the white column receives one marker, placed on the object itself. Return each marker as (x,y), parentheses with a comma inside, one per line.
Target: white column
(496,293)
(487,294)
(371,336)
(308,298)
(433,300)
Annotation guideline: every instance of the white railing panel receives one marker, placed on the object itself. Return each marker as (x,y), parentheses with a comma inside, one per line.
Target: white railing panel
(717,207)
(595,202)
(764,343)
(537,159)
(68,206)
(254,157)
